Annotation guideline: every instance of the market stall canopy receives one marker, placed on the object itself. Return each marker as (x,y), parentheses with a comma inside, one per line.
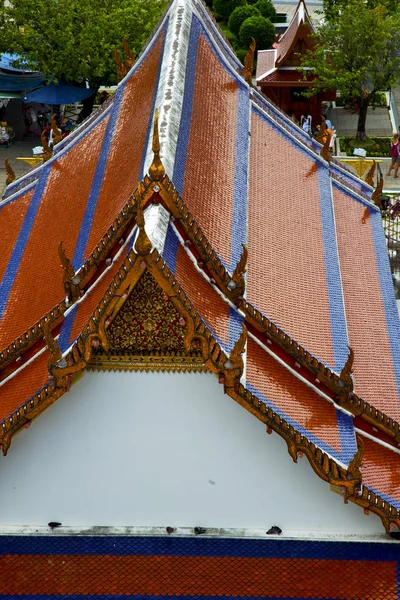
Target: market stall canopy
(17,79)
(59,93)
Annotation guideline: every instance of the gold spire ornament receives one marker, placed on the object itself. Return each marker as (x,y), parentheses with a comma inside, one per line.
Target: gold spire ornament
(376,195)
(325,153)
(47,151)
(345,374)
(248,62)
(320,137)
(156,170)
(57,135)
(129,56)
(369,178)
(120,66)
(10,173)
(69,271)
(143,245)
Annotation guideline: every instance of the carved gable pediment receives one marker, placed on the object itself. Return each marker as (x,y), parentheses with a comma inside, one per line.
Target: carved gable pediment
(147,332)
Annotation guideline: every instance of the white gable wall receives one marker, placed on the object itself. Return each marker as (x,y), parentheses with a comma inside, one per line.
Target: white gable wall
(151,449)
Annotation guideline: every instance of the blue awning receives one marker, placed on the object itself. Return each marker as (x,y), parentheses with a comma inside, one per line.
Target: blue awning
(59,93)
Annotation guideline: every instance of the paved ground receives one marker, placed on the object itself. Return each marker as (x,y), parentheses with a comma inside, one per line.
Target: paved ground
(378,122)
(23,148)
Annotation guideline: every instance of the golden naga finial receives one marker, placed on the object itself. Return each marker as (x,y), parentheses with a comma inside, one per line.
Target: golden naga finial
(369,178)
(121,67)
(376,195)
(57,135)
(69,271)
(345,373)
(156,170)
(53,348)
(238,349)
(130,58)
(10,172)
(143,244)
(248,62)
(237,283)
(234,365)
(320,137)
(325,148)
(47,151)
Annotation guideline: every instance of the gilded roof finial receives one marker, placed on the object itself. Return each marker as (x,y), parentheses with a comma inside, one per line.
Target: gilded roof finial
(156,170)
(345,373)
(369,178)
(57,136)
(10,172)
(143,244)
(325,148)
(130,58)
(53,348)
(248,62)
(47,151)
(237,284)
(320,137)
(376,195)
(120,66)
(69,271)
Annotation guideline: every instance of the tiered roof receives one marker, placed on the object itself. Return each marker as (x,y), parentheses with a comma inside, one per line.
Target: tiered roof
(274,259)
(278,66)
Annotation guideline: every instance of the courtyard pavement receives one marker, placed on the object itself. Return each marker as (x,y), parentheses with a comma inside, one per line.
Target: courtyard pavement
(22,148)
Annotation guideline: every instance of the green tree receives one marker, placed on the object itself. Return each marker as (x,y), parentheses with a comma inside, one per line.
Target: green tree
(267,9)
(74,40)
(240,14)
(332,9)
(260,29)
(224,8)
(357,54)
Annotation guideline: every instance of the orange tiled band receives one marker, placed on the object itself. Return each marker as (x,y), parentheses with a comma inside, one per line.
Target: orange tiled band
(196,576)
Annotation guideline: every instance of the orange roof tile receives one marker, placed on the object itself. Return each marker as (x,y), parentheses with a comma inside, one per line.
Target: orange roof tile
(249,177)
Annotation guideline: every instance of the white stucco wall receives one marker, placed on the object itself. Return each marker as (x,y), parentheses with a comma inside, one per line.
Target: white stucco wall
(162,449)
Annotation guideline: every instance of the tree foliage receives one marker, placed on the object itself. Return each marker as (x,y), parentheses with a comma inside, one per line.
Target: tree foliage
(267,9)
(224,8)
(260,29)
(74,40)
(240,14)
(357,54)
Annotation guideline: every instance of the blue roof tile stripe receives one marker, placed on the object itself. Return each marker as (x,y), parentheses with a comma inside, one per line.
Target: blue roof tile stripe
(19,247)
(332,268)
(110,545)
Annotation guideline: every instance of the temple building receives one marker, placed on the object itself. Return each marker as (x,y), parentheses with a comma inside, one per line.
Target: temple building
(200,364)
(277,73)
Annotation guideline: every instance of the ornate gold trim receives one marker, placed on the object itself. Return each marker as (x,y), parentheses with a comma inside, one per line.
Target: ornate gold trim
(376,194)
(248,62)
(369,178)
(132,362)
(156,170)
(10,173)
(47,151)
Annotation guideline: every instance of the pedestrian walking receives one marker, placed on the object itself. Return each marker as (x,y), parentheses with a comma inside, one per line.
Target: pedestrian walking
(394,154)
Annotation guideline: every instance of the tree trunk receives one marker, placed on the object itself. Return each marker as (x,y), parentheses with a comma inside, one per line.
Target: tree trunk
(362,118)
(87,105)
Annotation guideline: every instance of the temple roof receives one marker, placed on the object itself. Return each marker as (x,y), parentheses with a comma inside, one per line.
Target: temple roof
(279,64)
(274,258)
